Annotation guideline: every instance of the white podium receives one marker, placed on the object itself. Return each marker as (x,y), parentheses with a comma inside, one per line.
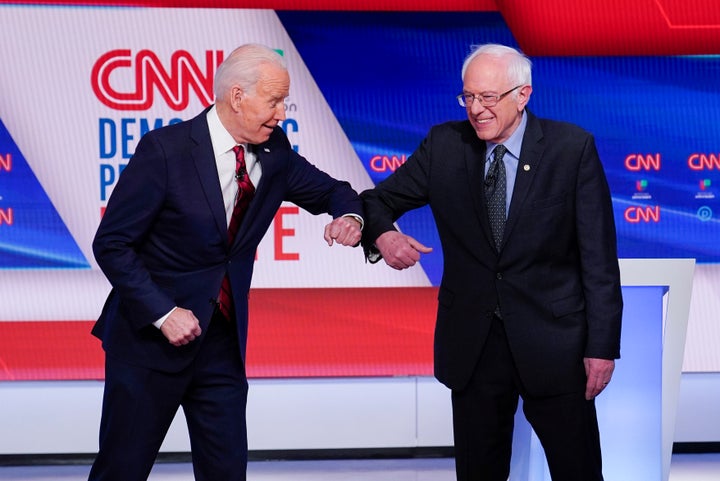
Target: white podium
(636,412)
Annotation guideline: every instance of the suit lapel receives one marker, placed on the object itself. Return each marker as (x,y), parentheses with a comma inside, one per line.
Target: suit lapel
(265,156)
(475,164)
(530,155)
(204,158)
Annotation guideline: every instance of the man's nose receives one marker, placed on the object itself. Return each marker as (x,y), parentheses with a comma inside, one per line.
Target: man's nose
(280,111)
(476,106)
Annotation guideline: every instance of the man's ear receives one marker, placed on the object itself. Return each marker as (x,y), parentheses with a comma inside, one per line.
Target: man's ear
(236,96)
(524,96)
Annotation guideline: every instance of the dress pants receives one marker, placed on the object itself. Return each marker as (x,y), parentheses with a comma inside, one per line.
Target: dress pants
(139,405)
(483,419)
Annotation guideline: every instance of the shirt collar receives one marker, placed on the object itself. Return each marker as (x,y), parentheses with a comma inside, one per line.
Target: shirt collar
(221,139)
(513,143)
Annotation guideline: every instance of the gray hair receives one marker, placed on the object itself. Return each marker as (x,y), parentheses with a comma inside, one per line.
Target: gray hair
(241,68)
(519,65)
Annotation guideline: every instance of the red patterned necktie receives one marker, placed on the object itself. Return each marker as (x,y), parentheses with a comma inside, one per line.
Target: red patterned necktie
(246,190)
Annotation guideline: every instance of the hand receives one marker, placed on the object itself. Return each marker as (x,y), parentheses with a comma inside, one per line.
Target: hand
(181,327)
(343,230)
(400,251)
(599,372)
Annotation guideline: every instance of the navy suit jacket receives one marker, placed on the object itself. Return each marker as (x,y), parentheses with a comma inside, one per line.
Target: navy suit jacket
(163,239)
(555,277)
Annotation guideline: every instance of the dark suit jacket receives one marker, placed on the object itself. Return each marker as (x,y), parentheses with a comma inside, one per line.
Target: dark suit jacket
(556,277)
(163,239)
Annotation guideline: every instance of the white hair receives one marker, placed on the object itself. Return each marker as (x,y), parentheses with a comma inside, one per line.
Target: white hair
(519,65)
(241,67)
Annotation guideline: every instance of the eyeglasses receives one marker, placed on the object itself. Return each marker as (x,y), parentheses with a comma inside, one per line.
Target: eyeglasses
(486,100)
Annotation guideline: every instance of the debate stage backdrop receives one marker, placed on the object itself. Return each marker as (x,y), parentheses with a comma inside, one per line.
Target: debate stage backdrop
(81,82)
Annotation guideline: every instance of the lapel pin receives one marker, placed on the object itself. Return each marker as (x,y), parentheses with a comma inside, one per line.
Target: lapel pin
(266,150)
(526,168)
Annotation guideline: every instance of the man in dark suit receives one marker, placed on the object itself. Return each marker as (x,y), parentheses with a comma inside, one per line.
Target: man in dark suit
(530,302)
(170,238)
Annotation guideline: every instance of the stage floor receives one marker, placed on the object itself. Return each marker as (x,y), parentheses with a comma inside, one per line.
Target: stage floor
(684,467)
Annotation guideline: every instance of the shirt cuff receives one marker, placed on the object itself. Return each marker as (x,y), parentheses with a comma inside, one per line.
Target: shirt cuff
(357,218)
(160,321)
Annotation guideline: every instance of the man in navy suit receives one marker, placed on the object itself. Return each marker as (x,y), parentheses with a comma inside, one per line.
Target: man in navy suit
(163,244)
(530,302)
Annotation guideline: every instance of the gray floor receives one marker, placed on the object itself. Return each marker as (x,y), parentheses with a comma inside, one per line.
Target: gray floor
(684,467)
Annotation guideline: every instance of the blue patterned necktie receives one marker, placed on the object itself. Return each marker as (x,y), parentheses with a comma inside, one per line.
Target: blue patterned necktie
(495,192)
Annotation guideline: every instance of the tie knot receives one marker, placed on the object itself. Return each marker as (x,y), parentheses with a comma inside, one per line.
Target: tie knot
(240,169)
(499,152)
(239,153)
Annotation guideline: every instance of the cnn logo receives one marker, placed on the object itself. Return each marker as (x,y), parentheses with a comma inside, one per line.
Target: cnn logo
(143,74)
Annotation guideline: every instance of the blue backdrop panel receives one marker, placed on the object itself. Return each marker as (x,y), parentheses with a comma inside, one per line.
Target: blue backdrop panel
(389,76)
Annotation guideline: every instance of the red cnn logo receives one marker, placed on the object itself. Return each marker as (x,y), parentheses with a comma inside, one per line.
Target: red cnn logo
(6,216)
(703,162)
(148,74)
(384,163)
(636,214)
(6,162)
(637,162)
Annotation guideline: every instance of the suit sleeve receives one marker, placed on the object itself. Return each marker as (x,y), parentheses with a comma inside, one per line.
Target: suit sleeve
(406,189)
(317,192)
(598,257)
(136,200)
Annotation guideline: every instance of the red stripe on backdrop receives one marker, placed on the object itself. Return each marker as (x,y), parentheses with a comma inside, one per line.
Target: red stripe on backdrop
(293,333)
(49,350)
(365,5)
(614,27)
(542,28)
(341,332)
